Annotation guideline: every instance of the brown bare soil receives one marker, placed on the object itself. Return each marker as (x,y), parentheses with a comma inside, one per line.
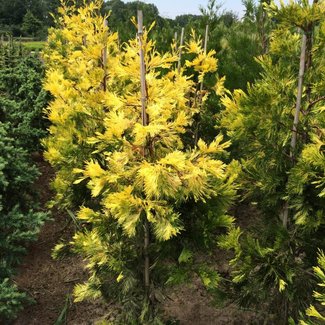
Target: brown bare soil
(191,305)
(50,283)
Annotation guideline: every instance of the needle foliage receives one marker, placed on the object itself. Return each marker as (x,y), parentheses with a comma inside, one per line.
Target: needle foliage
(278,178)
(21,125)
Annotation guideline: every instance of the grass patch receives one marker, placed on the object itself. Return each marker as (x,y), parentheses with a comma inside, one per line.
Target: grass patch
(34,45)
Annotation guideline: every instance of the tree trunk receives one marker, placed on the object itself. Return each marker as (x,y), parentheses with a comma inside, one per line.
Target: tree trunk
(262,21)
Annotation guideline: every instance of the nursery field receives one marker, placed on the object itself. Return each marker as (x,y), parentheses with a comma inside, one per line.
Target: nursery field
(162,171)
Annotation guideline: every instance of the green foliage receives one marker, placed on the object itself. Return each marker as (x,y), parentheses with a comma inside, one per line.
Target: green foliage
(269,272)
(236,43)
(19,221)
(316,314)
(10,53)
(300,14)
(31,25)
(121,14)
(261,122)
(306,187)
(22,97)
(271,262)
(11,300)
(19,16)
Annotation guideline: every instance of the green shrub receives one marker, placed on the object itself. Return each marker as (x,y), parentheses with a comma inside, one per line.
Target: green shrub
(22,97)
(19,223)
(11,299)
(21,125)
(285,182)
(316,312)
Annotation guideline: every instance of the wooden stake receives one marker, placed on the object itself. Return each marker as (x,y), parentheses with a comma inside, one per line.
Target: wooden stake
(299,95)
(200,97)
(104,59)
(144,122)
(206,39)
(205,50)
(285,213)
(180,51)
(142,69)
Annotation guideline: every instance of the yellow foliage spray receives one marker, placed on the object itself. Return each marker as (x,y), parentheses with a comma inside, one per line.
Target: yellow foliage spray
(97,142)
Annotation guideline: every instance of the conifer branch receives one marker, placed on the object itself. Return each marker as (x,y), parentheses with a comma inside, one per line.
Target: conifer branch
(314,102)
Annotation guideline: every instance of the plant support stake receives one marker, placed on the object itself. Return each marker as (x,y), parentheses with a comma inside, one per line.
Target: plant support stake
(144,123)
(296,117)
(200,96)
(142,69)
(205,49)
(104,57)
(180,51)
(299,96)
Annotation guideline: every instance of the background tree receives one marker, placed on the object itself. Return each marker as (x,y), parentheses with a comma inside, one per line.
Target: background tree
(11,15)
(31,25)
